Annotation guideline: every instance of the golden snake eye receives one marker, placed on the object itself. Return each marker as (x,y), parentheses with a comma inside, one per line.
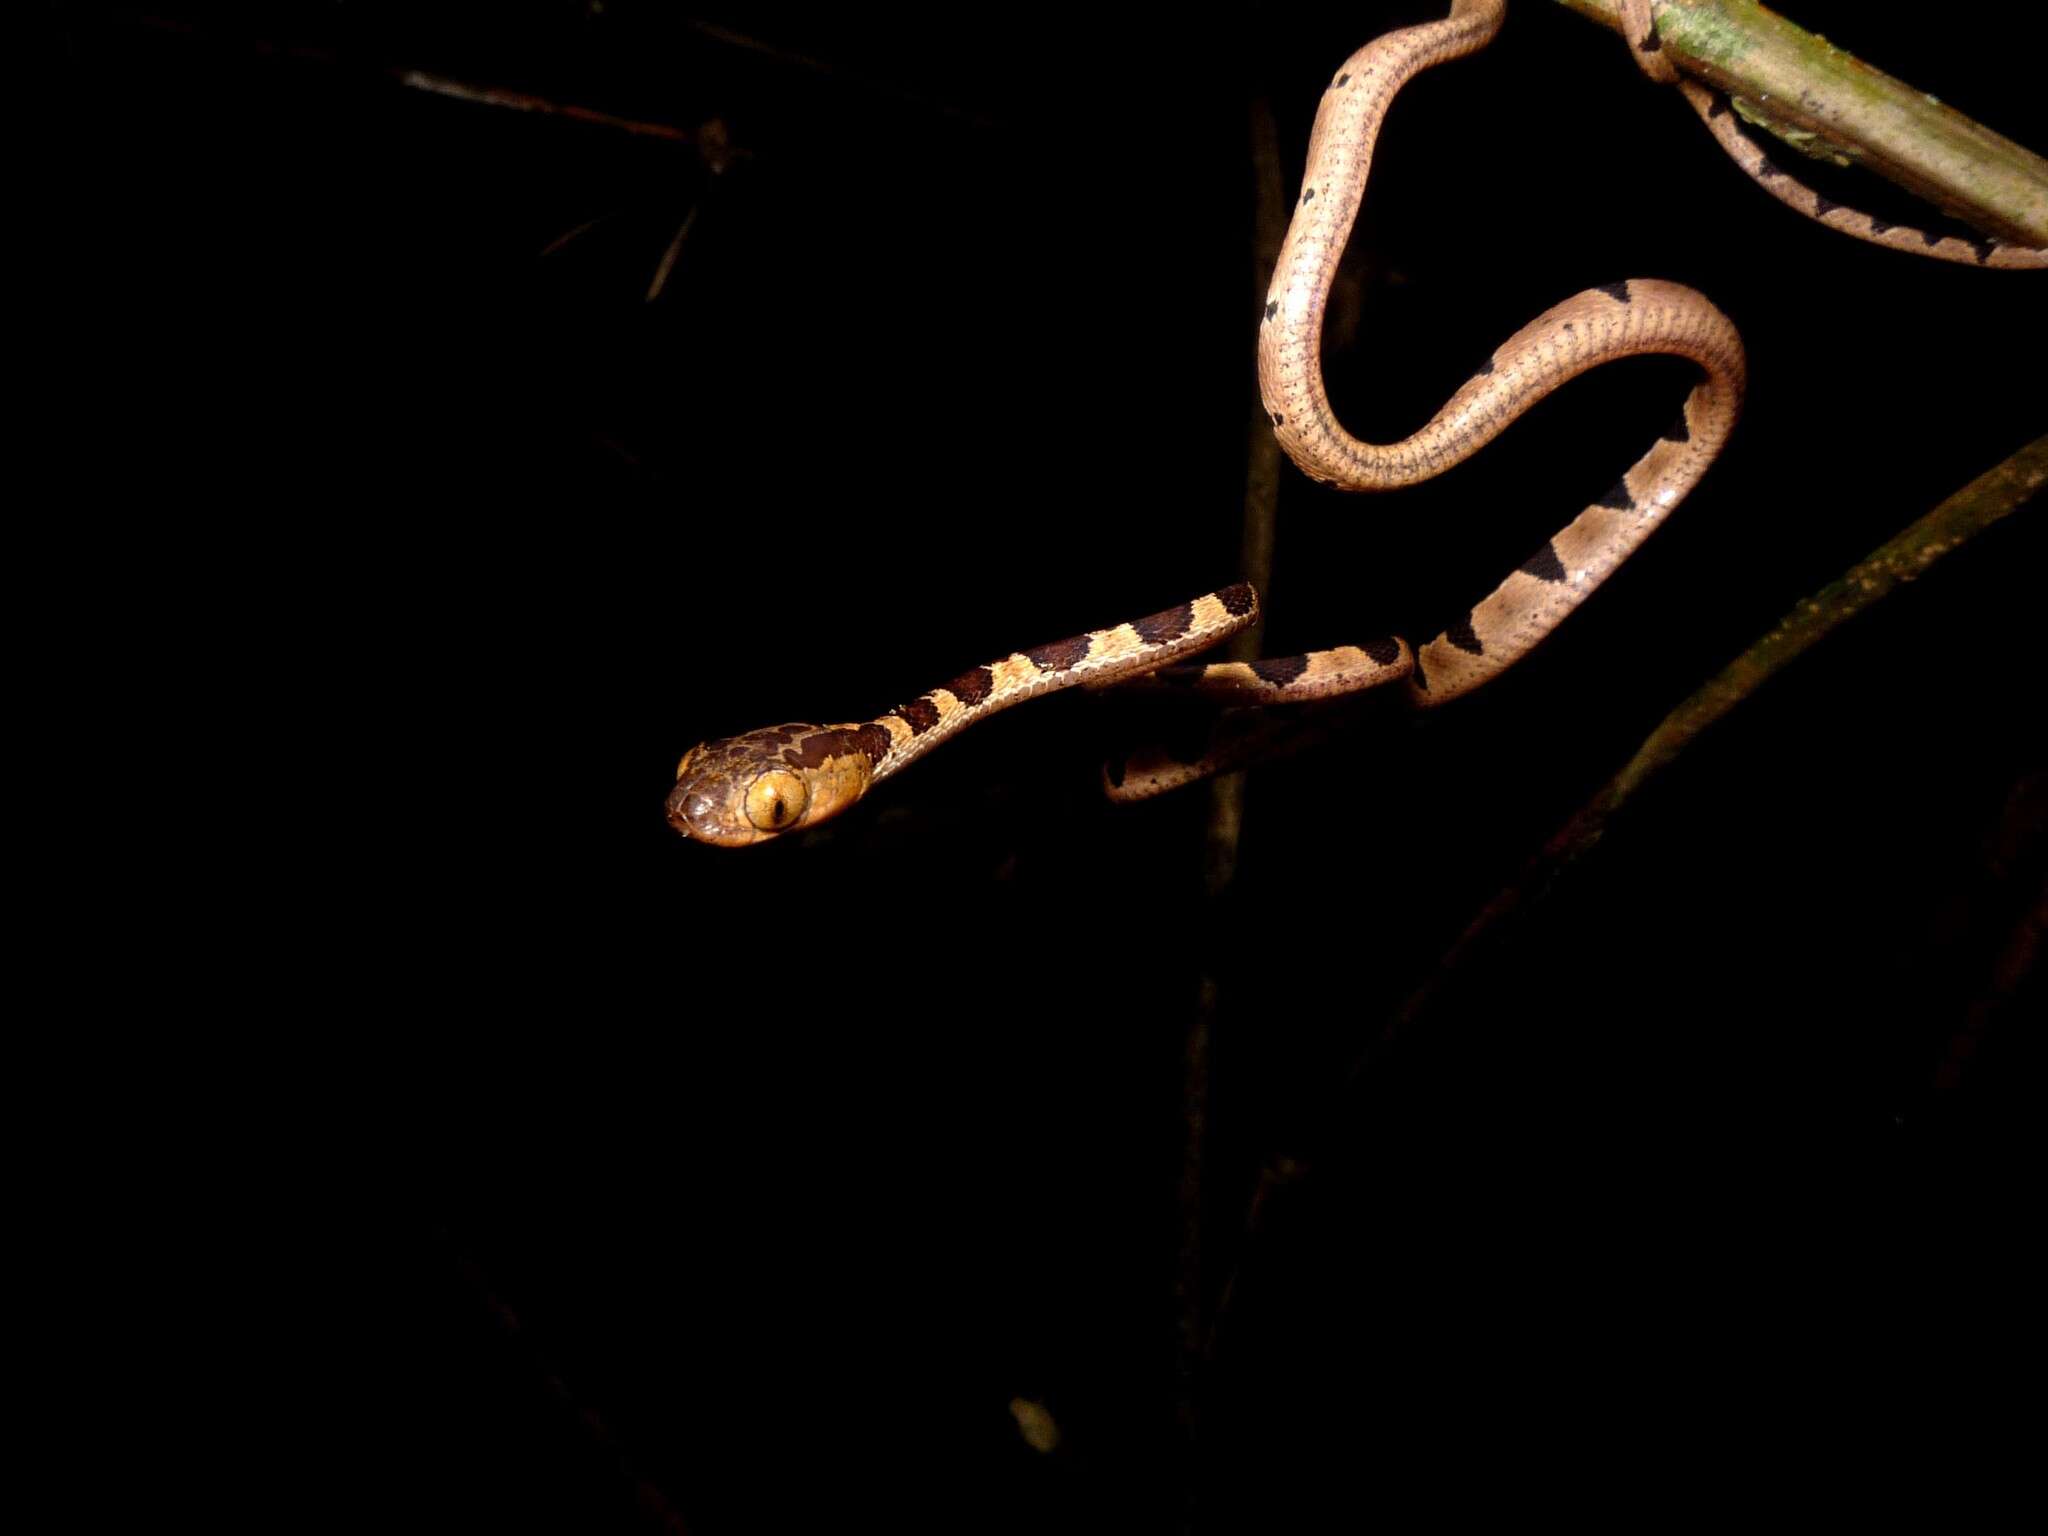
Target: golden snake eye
(776,799)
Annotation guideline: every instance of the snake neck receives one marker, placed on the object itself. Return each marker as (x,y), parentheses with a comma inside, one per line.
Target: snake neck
(1095,659)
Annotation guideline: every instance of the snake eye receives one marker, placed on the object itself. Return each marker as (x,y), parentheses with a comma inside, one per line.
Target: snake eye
(776,799)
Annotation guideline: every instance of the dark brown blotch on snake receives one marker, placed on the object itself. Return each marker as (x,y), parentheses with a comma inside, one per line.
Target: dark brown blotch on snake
(1281,669)
(970,688)
(1544,564)
(1060,655)
(1157,628)
(921,714)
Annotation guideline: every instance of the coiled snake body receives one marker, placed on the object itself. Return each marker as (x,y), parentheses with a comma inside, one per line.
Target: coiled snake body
(747,789)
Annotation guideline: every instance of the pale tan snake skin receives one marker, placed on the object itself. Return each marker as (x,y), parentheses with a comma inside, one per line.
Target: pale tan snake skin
(1616,320)
(1625,319)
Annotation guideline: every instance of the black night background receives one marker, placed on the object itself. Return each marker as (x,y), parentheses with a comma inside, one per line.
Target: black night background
(746,1191)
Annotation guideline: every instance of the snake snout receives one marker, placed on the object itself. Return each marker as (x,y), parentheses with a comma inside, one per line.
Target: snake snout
(677,809)
(693,811)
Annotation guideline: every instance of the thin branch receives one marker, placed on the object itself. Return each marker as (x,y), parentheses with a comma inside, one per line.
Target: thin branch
(1990,497)
(667,264)
(1225,823)
(1270,208)
(1984,501)
(431,83)
(1821,100)
(524,101)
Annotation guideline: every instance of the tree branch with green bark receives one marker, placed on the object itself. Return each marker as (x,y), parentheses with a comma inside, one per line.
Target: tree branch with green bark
(1827,103)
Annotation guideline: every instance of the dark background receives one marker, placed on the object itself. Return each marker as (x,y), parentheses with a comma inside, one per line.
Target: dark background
(766,1180)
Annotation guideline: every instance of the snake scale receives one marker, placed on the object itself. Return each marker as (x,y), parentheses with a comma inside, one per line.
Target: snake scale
(748,789)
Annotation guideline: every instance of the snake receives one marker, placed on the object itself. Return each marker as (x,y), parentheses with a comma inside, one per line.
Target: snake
(744,790)
(747,789)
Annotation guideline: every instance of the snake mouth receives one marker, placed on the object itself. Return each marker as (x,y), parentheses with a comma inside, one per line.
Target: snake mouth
(674,810)
(702,815)
(693,813)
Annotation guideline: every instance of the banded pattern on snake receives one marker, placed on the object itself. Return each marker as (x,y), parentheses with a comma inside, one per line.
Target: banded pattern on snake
(750,788)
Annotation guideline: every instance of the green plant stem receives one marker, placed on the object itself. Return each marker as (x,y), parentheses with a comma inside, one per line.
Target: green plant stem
(1824,101)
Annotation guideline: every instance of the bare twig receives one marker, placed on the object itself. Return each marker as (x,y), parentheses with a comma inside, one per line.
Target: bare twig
(667,263)
(1821,100)
(427,81)
(1262,448)
(522,101)
(1225,824)
(1984,501)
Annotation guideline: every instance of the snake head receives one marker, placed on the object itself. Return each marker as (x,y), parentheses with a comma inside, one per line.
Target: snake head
(742,790)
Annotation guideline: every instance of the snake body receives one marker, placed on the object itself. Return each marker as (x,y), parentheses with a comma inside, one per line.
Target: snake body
(750,788)
(1624,319)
